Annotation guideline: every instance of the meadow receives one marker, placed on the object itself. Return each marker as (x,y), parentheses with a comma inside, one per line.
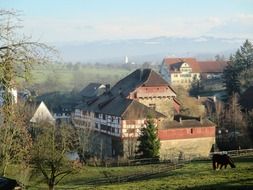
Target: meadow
(195,175)
(66,77)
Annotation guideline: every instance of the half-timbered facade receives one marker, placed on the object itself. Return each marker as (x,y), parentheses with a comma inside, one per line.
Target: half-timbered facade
(120,112)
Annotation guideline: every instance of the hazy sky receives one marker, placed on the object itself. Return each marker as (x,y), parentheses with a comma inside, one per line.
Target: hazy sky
(89,20)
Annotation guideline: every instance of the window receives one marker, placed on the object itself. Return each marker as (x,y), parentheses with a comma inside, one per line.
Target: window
(96,115)
(152,106)
(109,118)
(106,128)
(130,131)
(113,130)
(191,131)
(117,131)
(103,127)
(104,116)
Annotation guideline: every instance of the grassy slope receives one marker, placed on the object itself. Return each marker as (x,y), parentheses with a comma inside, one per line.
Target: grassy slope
(66,79)
(40,73)
(197,175)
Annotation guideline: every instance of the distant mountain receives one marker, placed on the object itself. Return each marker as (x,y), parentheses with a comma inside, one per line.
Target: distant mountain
(151,50)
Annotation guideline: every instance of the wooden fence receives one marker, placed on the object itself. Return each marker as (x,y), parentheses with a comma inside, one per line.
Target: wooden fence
(173,160)
(157,171)
(133,162)
(163,167)
(234,153)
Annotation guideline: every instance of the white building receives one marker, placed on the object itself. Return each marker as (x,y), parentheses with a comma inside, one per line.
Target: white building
(42,114)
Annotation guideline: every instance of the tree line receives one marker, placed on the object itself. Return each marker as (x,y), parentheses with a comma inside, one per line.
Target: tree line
(235,129)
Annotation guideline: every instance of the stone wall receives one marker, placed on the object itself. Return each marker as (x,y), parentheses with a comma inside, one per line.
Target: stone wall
(192,147)
(162,105)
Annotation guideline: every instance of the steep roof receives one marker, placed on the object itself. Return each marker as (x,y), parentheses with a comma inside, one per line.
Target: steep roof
(212,66)
(246,99)
(136,110)
(140,77)
(42,114)
(115,101)
(121,107)
(175,63)
(90,90)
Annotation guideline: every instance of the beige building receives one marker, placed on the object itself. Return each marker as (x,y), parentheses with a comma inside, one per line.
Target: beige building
(180,71)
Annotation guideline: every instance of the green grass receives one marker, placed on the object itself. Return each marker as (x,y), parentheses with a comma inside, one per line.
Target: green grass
(196,175)
(58,77)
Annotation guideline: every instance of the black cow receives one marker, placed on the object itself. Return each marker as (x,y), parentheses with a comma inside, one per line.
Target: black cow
(7,183)
(220,160)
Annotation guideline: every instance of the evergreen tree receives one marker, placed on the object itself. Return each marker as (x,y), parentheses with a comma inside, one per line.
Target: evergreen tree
(149,143)
(231,78)
(239,72)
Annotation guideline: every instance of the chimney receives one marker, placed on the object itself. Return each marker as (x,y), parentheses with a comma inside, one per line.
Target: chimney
(214,98)
(141,73)
(180,120)
(120,91)
(201,120)
(107,87)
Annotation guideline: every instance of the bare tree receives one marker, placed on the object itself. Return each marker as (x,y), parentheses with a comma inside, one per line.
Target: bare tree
(15,141)
(49,153)
(17,55)
(233,123)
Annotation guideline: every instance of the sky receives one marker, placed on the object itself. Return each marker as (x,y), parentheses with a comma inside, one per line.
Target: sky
(95,20)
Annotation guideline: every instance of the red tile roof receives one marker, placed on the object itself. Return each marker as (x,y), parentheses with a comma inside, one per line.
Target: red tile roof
(212,66)
(173,63)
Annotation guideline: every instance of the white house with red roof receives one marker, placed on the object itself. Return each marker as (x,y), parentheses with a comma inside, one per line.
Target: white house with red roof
(180,71)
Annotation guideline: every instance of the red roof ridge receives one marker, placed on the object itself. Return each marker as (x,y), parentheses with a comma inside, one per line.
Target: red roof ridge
(193,63)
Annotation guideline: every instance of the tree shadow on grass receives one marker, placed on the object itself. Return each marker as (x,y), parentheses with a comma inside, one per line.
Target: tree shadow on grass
(243,184)
(119,180)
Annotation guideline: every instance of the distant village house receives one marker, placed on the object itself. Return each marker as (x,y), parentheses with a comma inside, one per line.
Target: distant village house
(183,71)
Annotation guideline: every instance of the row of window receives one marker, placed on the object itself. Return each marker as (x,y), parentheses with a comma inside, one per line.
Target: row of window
(182,81)
(107,128)
(109,118)
(82,123)
(182,75)
(185,69)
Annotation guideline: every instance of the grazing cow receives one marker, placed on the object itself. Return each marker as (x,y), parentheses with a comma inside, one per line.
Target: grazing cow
(7,183)
(220,160)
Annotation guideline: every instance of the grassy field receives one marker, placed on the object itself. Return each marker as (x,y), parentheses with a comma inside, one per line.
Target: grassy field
(196,175)
(60,77)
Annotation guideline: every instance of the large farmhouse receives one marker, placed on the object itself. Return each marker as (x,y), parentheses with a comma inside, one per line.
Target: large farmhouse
(120,112)
(183,71)
(180,71)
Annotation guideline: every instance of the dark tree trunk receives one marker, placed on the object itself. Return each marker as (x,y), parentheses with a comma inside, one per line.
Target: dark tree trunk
(51,187)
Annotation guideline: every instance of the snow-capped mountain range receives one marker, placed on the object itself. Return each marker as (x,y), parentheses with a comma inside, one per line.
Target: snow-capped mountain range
(151,50)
